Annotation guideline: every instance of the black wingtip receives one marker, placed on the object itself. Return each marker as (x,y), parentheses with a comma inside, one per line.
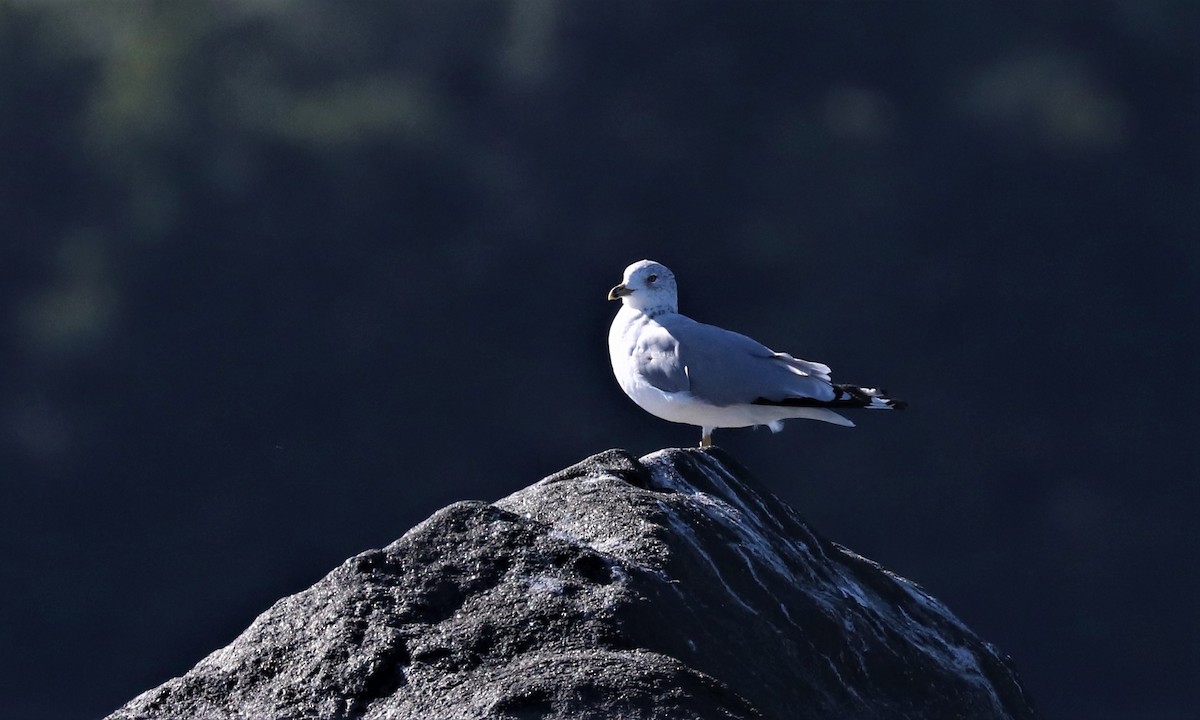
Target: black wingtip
(845,397)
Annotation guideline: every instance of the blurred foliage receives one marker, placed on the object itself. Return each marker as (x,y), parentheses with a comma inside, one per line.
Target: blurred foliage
(264,258)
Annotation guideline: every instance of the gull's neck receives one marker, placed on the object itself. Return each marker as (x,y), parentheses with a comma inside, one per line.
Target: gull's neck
(658,310)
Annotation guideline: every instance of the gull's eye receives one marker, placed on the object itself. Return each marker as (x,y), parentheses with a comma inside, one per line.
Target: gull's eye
(652,278)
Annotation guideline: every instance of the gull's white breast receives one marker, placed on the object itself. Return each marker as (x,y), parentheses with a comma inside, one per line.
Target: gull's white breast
(680,407)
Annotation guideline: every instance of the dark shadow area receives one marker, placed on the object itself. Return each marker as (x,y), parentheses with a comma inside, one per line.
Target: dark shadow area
(279,280)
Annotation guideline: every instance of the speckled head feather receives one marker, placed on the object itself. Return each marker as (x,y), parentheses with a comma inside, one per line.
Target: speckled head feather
(649,287)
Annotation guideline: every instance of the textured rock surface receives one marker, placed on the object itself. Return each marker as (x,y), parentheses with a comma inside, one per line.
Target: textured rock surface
(667,587)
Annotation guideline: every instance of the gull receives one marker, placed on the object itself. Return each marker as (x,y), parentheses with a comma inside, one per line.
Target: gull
(687,372)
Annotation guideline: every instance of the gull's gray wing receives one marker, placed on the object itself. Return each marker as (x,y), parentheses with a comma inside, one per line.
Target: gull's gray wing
(726,368)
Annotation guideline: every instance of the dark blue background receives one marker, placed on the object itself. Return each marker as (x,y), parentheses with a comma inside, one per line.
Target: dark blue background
(279,280)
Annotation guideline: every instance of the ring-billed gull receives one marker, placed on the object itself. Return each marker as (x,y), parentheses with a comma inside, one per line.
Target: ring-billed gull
(687,372)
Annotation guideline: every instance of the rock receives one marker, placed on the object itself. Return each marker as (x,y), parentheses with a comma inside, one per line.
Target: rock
(667,587)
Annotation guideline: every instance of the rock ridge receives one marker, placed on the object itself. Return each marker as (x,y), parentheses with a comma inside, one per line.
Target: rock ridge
(670,586)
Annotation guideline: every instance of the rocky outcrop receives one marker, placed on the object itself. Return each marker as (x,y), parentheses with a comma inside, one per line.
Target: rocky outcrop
(667,587)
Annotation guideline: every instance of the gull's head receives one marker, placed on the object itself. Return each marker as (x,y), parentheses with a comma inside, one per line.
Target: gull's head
(648,286)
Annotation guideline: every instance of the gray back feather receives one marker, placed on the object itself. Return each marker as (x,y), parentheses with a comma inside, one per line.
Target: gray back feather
(726,368)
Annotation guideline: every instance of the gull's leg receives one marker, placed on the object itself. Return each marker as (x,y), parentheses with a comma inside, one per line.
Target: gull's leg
(706,437)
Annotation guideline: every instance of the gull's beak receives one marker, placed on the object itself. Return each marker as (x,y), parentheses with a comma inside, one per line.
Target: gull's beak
(619,292)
